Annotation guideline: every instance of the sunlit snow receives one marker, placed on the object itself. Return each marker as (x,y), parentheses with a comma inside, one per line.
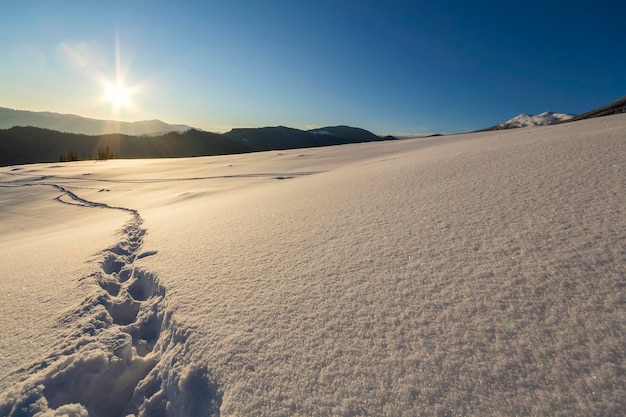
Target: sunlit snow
(476,274)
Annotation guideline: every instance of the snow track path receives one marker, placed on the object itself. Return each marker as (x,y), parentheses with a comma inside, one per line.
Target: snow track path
(124,354)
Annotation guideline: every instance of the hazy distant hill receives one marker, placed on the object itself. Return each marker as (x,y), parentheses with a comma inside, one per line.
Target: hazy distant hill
(23,145)
(347,132)
(525,120)
(616,107)
(280,137)
(76,124)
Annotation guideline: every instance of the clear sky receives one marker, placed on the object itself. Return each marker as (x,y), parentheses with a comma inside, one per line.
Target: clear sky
(395,67)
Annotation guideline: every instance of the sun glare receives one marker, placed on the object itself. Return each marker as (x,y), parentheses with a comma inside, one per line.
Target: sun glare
(117,90)
(118,95)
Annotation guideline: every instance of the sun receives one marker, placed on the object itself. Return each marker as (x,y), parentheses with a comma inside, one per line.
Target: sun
(118,95)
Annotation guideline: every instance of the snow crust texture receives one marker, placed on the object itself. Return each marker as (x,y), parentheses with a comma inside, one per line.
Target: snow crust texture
(466,275)
(107,366)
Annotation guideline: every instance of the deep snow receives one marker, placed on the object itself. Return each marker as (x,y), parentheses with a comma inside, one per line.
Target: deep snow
(478,274)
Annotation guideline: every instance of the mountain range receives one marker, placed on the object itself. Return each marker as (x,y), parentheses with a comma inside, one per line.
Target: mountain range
(23,145)
(31,137)
(71,123)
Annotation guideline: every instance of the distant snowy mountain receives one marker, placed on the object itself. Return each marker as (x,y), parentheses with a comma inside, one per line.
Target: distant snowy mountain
(541,119)
(71,123)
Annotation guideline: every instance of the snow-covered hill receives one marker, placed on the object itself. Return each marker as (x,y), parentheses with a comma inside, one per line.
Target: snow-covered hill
(541,119)
(474,274)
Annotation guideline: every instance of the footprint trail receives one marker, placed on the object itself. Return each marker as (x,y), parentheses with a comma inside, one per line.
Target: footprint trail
(123,355)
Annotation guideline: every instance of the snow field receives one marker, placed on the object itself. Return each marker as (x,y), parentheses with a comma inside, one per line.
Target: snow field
(475,274)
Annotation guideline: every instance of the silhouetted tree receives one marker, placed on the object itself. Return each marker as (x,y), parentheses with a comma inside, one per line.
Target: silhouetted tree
(68,157)
(105,153)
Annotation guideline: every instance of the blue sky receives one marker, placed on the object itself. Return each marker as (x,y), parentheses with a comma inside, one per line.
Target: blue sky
(392,67)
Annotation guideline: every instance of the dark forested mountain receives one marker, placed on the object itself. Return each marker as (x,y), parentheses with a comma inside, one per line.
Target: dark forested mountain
(71,123)
(352,134)
(267,138)
(616,107)
(23,145)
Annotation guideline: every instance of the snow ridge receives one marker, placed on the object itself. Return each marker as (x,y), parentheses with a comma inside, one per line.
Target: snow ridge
(122,358)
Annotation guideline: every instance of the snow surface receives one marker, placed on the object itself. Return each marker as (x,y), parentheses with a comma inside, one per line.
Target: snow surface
(541,119)
(476,274)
